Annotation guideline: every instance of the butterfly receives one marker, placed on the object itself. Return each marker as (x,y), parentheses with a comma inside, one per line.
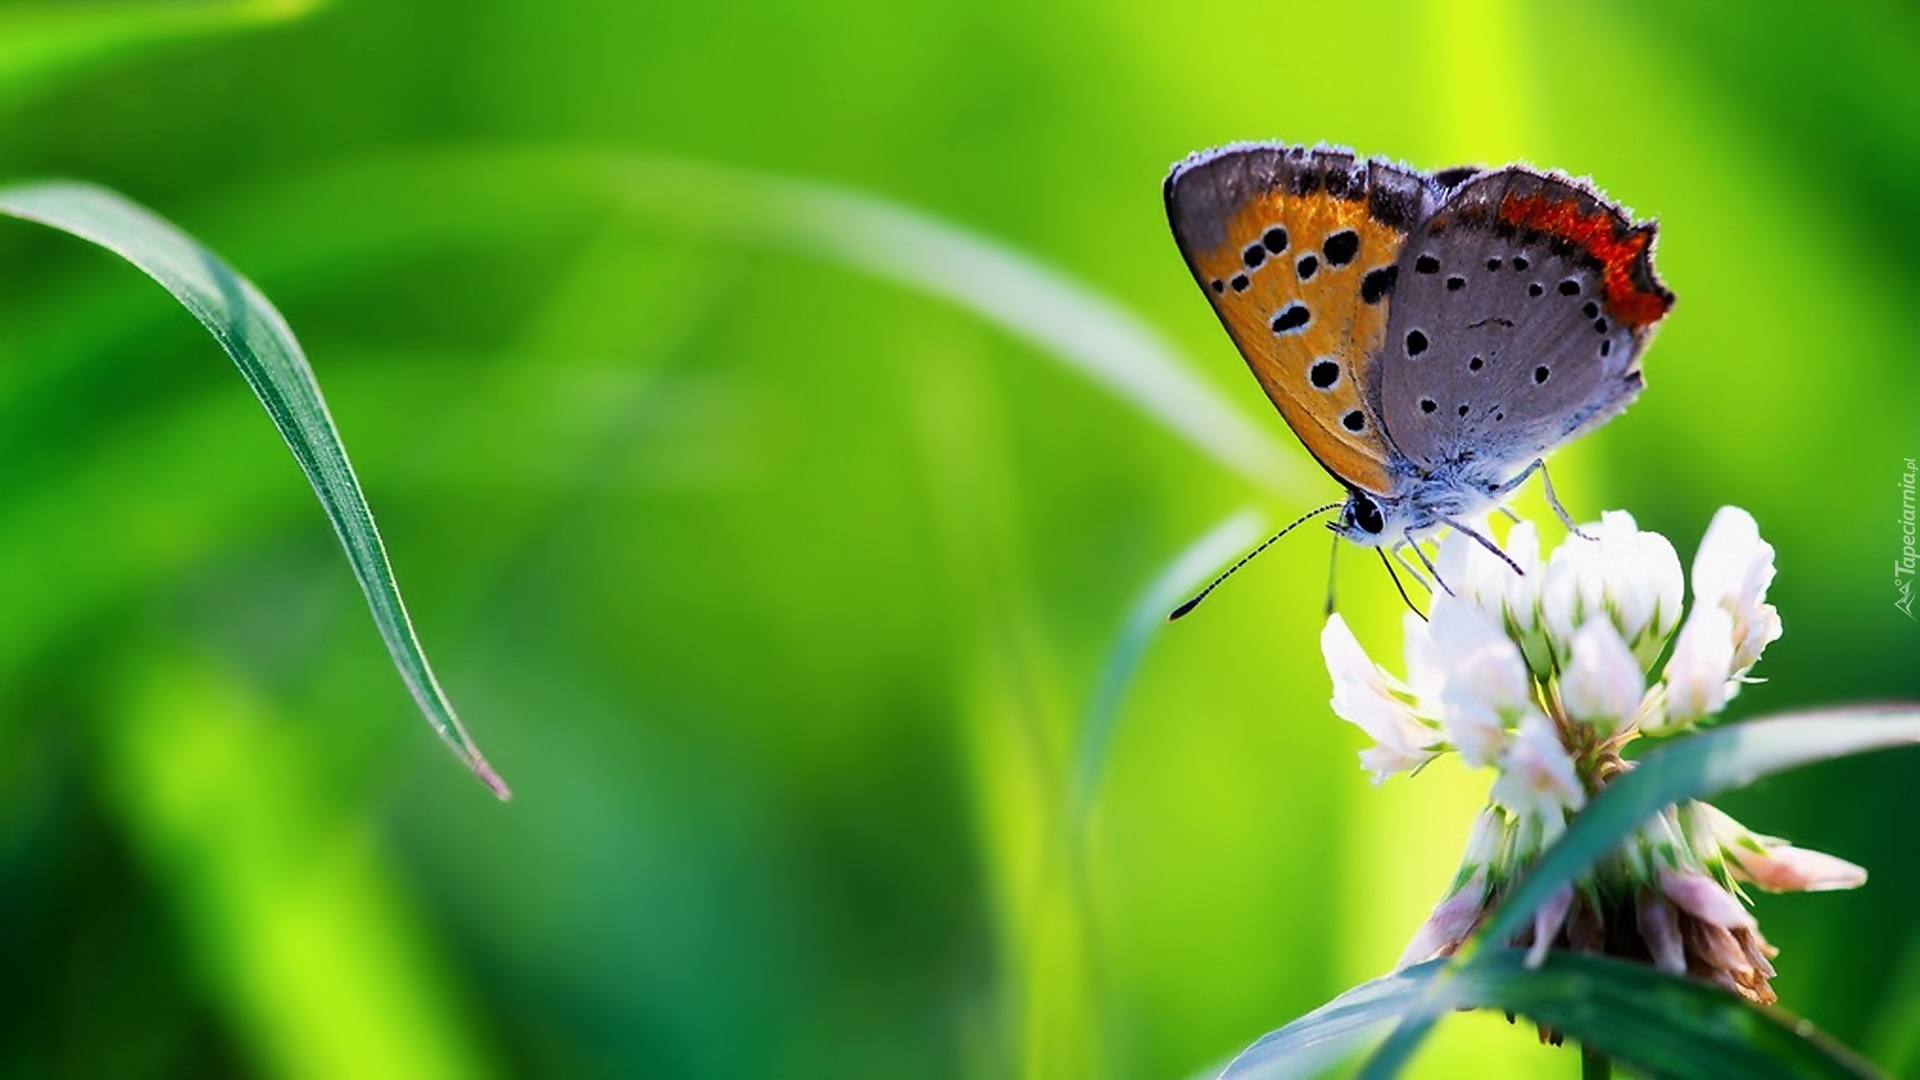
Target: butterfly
(1429,337)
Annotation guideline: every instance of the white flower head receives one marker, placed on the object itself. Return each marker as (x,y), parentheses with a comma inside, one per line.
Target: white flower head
(1544,676)
(1376,703)
(1603,684)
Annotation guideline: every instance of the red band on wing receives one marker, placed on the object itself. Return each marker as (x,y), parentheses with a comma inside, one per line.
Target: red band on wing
(1596,233)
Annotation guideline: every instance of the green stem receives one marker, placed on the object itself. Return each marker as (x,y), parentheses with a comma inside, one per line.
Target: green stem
(1594,1065)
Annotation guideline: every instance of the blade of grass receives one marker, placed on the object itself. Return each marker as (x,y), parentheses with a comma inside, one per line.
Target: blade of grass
(1148,615)
(1333,1032)
(260,343)
(1657,1024)
(406,202)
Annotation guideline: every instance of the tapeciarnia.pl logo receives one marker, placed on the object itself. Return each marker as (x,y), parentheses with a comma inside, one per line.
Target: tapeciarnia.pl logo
(1903,567)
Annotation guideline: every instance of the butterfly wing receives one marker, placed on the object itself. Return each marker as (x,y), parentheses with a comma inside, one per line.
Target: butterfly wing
(1521,308)
(1297,250)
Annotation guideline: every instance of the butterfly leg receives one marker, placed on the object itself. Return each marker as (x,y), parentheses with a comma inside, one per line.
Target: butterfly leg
(1462,527)
(1407,541)
(1540,466)
(1553,500)
(1395,550)
(1384,561)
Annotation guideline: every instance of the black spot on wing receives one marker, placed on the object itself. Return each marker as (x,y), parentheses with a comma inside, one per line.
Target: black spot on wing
(1378,283)
(1341,247)
(1293,318)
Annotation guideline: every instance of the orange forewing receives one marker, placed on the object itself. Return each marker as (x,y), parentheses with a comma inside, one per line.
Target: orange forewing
(1342,327)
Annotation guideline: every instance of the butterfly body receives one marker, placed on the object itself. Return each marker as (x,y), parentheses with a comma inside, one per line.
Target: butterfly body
(1430,337)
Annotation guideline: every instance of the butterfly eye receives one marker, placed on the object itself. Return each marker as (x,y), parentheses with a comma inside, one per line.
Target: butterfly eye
(1365,513)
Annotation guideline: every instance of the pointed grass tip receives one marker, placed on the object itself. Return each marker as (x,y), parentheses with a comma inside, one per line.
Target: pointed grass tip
(488,777)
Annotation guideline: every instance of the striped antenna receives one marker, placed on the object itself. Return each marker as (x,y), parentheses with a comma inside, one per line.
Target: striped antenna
(1247,558)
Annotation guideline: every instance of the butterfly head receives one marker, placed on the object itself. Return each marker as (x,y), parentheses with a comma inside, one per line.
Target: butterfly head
(1372,520)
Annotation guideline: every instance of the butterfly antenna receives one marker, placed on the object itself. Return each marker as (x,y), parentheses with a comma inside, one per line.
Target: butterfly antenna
(1245,559)
(1388,563)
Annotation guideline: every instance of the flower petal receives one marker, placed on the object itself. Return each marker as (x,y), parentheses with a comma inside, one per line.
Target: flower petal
(1366,697)
(1660,929)
(1603,684)
(1547,920)
(1478,657)
(1781,867)
(1702,897)
(1452,920)
(1537,778)
(1702,662)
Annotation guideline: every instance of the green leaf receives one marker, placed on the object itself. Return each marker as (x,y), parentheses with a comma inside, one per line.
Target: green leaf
(41,42)
(263,347)
(1658,1024)
(1333,1032)
(1696,767)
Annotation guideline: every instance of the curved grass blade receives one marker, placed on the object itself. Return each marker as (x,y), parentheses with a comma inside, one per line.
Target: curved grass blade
(1333,1032)
(1220,544)
(263,347)
(1658,1024)
(1692,768)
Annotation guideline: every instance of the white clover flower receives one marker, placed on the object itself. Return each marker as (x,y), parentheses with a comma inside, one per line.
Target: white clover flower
(1546,677)
(1376,703)
(1603,683)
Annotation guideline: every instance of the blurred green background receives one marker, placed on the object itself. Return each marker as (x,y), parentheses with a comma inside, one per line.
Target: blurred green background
(779,588)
